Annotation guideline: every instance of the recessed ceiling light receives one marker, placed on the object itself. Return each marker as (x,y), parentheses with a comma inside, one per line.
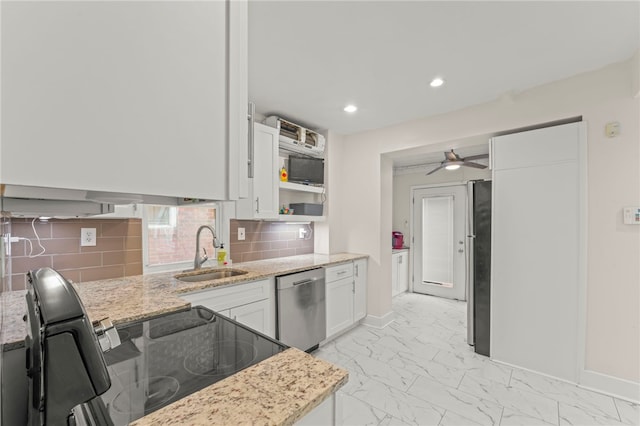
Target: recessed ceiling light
(350,108)
(437,82)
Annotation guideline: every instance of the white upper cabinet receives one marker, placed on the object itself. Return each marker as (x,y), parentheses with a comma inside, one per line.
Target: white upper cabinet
(132,97)
(262,200)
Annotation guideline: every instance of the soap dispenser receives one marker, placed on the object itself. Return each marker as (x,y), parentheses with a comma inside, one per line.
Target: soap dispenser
(222,255)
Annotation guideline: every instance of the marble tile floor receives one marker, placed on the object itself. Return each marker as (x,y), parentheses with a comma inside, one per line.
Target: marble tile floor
(419,370)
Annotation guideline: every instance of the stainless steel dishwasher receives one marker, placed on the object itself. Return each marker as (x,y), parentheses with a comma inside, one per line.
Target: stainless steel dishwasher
(301,309)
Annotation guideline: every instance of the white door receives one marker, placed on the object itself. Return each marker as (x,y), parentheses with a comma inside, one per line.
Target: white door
(439,241)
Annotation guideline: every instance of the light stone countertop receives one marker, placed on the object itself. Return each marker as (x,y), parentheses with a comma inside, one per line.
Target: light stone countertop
(139,297)
(277,391)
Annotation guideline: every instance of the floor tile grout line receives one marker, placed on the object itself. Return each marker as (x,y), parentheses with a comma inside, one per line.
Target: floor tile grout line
(501,416)
(615,404)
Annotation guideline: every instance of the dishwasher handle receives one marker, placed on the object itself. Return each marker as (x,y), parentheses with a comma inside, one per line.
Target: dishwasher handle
(305,282)
(315,277)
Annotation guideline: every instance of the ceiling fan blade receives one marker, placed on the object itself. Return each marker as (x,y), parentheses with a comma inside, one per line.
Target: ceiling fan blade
(476,157)
(474,165)
(436,169)
(451,156)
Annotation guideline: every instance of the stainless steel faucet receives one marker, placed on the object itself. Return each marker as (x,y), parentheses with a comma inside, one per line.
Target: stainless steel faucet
(199,260)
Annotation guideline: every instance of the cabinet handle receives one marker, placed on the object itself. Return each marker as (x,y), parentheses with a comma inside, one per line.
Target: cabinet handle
(357,272)
(257,204)
(250,140)
(342,272)
(400,260)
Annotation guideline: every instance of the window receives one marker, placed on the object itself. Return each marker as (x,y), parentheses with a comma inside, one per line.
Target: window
(169,235)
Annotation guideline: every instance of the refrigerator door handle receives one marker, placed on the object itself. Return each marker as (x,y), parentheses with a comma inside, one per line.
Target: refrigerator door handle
(469,265)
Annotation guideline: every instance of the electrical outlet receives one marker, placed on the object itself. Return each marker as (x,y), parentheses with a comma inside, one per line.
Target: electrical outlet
(241,234)
(88,237)
(301,233)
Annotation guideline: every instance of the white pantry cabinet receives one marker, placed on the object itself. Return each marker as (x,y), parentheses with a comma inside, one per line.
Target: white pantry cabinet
(399,272)
(131,97)
(262,200)
(251,304)
(346,295)
(537,243)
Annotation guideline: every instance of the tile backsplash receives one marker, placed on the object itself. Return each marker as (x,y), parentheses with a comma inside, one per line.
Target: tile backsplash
(117,253)
(266,240)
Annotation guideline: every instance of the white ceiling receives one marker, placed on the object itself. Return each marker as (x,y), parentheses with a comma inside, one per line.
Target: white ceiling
(308,59)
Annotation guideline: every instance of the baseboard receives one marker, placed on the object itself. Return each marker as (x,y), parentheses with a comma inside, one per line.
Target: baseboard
(610,385)
(378,322)
(596,382)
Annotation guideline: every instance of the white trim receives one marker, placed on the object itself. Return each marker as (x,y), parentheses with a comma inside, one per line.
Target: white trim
(594,381)
(582,252)
(609,385)
(379,322)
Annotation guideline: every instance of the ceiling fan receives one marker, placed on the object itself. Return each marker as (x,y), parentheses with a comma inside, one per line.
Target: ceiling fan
(453,161)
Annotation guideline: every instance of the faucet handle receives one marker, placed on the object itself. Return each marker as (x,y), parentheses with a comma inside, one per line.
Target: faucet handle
(204,256)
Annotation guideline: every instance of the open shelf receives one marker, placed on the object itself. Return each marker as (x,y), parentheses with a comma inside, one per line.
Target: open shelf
(302,188)
(300,218)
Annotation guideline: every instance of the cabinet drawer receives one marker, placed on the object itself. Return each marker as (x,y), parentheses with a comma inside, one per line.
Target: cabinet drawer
(219,299)
(338,272)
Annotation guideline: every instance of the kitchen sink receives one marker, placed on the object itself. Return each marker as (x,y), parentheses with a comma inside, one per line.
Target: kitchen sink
(209,274)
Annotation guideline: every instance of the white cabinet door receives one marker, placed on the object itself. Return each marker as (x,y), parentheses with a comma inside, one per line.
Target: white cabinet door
(251,304)
(124,97)
(324,414)
(339,305)
(257,315)
(394,274)
(360,289)
(262,201)
(403,272)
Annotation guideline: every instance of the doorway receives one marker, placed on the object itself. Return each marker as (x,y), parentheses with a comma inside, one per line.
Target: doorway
(439,241)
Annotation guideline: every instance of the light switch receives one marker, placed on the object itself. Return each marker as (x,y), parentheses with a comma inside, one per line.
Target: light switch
(631,215)
(612,129)
(241,234)
(87,237)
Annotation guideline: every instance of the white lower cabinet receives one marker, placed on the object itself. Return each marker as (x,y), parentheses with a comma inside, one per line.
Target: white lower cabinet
(329,412)
(399,272)
(339,296)
(251,304)
(346,295)
(257,315)
(360,289)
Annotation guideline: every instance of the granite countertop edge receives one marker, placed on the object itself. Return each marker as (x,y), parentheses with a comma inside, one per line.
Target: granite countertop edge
(292,392)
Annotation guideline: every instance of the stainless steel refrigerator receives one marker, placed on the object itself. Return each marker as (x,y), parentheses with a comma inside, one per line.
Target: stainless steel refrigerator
(479,266)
